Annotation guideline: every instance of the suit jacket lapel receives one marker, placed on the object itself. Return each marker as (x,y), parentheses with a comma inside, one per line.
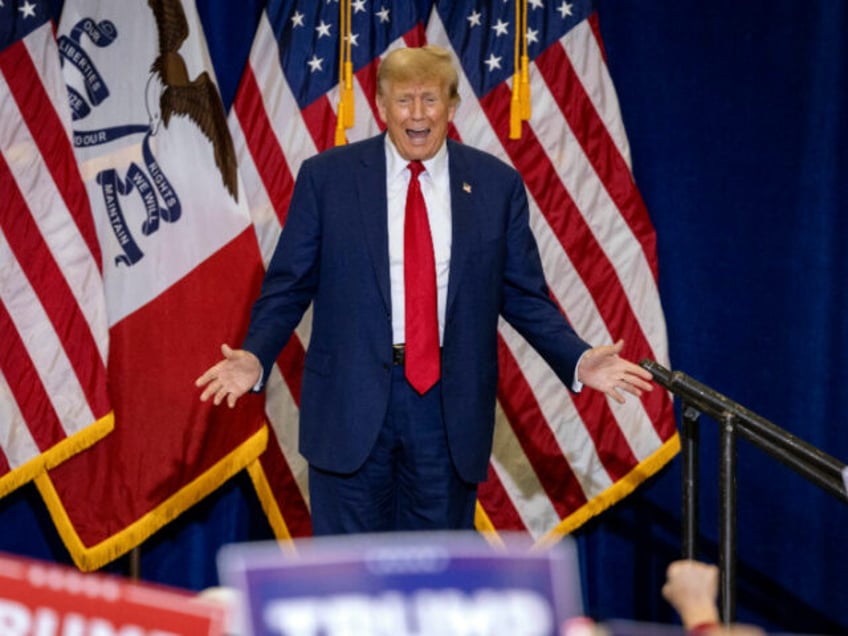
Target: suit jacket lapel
(462,217)
(373,208)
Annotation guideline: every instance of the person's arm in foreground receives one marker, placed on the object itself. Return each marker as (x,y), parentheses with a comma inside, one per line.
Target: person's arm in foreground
(691,588)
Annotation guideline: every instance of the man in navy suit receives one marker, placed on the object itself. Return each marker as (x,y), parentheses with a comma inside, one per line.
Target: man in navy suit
(382,454)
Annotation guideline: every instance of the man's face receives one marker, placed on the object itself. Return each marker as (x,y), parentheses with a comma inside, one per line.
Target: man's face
(416,114)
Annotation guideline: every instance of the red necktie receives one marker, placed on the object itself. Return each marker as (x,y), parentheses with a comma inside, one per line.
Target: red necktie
(419,277)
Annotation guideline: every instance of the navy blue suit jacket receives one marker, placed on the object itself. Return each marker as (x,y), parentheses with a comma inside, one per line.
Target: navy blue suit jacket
(333,251)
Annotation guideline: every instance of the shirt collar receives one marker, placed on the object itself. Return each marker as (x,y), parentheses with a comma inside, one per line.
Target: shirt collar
(435,166)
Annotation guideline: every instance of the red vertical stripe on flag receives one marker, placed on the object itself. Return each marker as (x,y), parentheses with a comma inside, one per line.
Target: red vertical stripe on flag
(416,36)
(497,504)
(52,140)
(37,406)
(537,441)
(595,25)
(320,120)
(52,289)
(561,78)
(262,143)
(367,78)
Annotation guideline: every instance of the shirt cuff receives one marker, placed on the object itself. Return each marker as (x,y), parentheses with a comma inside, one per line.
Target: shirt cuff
(577,385)
(258,386)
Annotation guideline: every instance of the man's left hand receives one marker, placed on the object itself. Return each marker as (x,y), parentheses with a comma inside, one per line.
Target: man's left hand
(602,369)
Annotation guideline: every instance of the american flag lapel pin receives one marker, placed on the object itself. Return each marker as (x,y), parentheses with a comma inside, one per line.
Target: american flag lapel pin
(466,187)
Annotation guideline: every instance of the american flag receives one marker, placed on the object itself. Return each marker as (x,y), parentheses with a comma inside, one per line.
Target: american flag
(558,459)
(53,398)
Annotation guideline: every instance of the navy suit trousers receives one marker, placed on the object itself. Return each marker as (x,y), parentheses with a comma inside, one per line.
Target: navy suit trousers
(408,481)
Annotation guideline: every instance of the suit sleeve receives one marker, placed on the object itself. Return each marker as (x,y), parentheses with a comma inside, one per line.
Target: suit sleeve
(527,303)
(292,277)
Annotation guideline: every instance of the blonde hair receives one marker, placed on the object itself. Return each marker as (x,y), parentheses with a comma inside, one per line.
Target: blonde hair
(424,63)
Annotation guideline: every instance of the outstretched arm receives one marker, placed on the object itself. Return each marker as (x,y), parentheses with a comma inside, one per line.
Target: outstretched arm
(602,369)
(230,378)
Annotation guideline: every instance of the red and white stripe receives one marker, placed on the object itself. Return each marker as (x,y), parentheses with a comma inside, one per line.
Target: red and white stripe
(52,311)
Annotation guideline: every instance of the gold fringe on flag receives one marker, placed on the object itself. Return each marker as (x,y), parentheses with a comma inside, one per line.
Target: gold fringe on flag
(268,502)
(89,558)
(58,453)
(595,506)
(615,493)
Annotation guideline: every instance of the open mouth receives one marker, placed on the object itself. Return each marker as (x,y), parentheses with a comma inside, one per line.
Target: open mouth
(417,135)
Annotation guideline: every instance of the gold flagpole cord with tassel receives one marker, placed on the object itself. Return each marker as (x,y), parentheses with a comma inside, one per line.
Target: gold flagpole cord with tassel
(349,113)
(524,94)
(344,51)
(515,102)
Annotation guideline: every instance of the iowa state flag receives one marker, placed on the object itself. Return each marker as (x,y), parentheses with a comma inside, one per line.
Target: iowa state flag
(180,267)
(53,396)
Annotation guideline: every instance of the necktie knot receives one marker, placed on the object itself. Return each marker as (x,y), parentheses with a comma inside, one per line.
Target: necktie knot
(416,168)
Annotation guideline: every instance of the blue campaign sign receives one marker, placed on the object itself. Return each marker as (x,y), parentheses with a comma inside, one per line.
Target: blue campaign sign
(440,584)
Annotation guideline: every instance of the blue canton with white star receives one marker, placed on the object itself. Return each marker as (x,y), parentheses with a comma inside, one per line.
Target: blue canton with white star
(482,32)
(19,18)
(308,33)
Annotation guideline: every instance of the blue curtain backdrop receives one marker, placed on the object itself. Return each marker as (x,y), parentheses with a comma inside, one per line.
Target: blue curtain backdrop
(737,114)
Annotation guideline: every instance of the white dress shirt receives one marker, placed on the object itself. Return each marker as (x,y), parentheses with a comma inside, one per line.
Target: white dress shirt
(435,186)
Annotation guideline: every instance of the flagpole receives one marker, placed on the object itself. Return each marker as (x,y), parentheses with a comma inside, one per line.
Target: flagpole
(135,563)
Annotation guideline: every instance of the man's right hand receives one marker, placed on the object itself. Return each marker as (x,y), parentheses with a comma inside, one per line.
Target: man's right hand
(231,378)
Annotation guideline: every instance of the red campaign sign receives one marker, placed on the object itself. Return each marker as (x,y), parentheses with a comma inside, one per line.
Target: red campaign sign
(47,600)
